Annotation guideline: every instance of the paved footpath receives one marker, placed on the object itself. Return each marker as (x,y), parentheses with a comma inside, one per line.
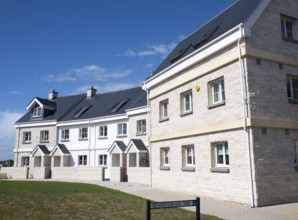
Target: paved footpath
(221,209)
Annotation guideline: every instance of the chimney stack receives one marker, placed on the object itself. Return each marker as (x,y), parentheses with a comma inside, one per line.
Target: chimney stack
(52,94)
(91,92)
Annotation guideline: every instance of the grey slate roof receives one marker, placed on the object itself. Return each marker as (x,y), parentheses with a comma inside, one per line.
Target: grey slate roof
(63,105)
(139,144)
(107,104)
(63,148)
(121,145)
(234,15)
(46,102)
(43,148)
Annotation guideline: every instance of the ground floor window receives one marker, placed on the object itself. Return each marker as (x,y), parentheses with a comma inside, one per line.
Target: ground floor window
(57,161)
(115,160)
(220,157)
(132,159)
(25,161)
(295,144)
(165,158)
(83,160)
(103,160)
(188,158)
(37,161)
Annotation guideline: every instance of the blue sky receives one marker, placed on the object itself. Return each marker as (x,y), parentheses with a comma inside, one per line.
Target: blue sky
(69,45)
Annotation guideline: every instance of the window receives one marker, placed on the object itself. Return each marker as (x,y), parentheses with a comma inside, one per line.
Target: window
(132,159)
(220,160)
(295,145)
(216,92)
(188,158)
(292,88)
(103,131)
(165,158)
(82,160)
(103,160)
(287,27)
(25,161)
(44,136)
(163,110)
(27,137)
(57,161)
(37,161)
(115,160)
(37,112)
(122,129)
(186,102)
(83,133)
(64,134)
(141,127)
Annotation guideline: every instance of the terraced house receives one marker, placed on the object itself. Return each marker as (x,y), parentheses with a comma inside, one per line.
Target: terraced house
(229,93)
(222,120)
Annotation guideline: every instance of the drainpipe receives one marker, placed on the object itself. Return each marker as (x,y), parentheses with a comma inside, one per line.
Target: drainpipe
(245,115)
(149,132)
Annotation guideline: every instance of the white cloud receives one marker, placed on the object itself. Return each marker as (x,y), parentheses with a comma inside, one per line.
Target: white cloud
(14,92)
(153,50)
(7,133)
(89,73)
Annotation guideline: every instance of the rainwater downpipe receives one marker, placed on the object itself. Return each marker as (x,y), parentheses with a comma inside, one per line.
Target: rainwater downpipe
(244,103)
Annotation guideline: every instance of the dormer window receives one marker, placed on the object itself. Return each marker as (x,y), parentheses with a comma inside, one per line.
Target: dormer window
(37,112)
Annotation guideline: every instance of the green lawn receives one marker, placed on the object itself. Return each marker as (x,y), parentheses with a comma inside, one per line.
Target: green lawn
(58,200)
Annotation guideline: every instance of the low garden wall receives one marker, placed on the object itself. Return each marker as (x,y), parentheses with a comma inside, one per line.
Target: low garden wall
(139,175)
(15,172)
(78,173)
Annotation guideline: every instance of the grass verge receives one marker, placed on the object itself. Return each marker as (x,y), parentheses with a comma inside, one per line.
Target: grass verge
(59,200)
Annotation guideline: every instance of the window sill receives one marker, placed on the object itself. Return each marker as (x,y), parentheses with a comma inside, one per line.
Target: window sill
(83,139)
(164,168)
(220,169)
(141,134)
(163,120)
(186,113)
(188,169)
(102,138)
(290,40)
(210,106)
(121,136)
(292,101)
(64,140)
(26,142)
(44,142)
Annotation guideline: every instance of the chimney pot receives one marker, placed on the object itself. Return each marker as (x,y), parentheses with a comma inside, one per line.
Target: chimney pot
(91,91)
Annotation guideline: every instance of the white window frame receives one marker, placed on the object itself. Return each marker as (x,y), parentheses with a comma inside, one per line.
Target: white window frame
(186,102)
(225,161)
(291,90)
(25,161)
(37,112)
(83,133)
(27,137)
(288,27)
(217,94)
(82,160)
(102,160)
(103,131)
(64,134)
(44,136)
(141,127)
(190,155)
(164,110)
(122,129)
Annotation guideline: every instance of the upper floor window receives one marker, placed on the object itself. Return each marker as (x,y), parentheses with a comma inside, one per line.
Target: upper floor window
(27,137)
(64,134)
(163,110)
(141,127)
(44,136)
(292,88)
(288,25)
(122,129)
(186,102)
(83,133)
(37,111)
(216,92)
(103,131)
